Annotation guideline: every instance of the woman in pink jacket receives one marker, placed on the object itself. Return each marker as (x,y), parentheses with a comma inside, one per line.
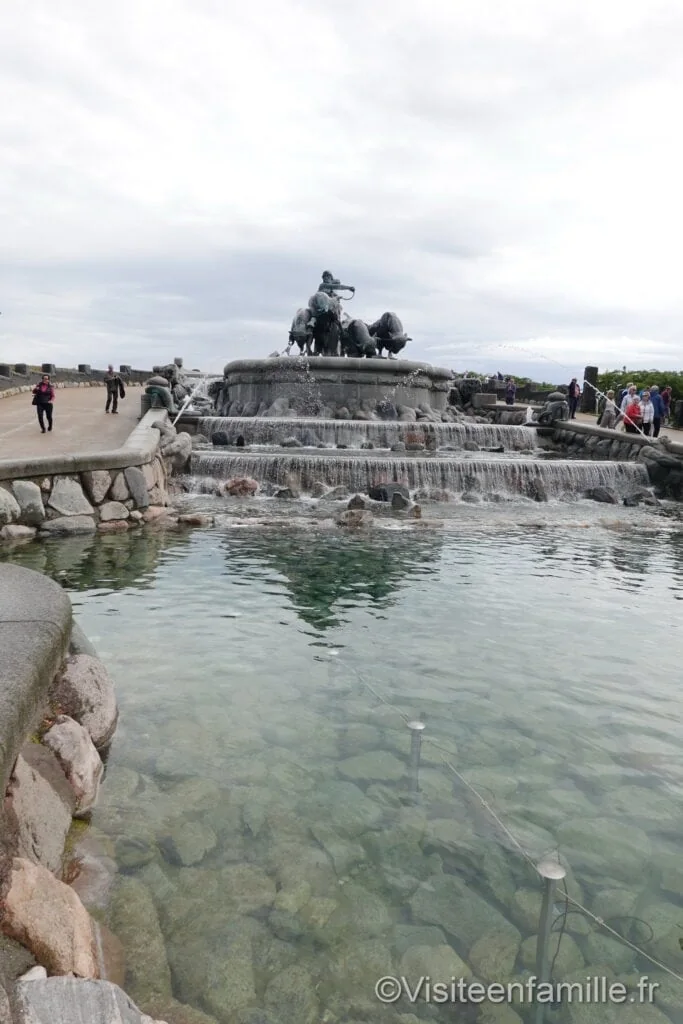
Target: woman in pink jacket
(43,399)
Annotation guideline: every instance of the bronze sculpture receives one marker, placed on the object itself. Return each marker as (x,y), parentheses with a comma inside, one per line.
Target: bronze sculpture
(323,329)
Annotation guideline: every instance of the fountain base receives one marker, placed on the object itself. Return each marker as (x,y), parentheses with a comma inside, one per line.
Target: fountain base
(330,388)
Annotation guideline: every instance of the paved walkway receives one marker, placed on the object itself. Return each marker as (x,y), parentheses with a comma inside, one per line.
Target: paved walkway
(80,423)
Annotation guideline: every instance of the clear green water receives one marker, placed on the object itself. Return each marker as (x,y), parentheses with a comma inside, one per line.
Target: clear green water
(253,747)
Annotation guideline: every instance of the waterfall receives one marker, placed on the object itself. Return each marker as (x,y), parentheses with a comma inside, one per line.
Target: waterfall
(357,472)
(353,433)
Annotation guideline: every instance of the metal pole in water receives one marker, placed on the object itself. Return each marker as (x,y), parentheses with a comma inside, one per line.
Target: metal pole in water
(416,730)
(551,871)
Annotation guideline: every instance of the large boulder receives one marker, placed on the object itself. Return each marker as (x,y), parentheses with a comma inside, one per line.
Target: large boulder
(81,763)
(84,691)
(30,500)
(386,492)
(47,917)
(41,805)
(68,499)
(9,507)
(71,525)
(137,485)
(72,1001)
(96,484)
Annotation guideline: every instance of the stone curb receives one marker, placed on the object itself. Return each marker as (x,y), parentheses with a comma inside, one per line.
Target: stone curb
(137,450)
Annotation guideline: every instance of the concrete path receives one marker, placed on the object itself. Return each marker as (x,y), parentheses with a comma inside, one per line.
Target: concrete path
(80,423)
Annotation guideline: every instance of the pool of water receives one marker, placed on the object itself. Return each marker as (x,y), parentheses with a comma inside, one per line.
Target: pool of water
(271,856)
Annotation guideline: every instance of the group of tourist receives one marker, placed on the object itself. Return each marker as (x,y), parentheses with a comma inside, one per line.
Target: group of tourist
(44,397)
(640,413)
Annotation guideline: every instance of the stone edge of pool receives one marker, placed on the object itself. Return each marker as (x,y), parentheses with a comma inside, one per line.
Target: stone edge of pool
(58,714)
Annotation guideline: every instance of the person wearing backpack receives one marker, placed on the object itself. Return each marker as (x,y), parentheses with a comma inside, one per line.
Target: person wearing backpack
(43,399)
(115,388)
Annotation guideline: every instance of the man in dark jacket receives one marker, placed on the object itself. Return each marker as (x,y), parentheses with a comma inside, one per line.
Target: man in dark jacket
(114,389)
(574,393)
(660,410)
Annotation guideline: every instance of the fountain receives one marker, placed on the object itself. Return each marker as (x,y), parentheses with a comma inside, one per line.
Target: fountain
(350,418)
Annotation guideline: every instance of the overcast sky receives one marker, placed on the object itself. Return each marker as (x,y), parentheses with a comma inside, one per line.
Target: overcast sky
(506,175)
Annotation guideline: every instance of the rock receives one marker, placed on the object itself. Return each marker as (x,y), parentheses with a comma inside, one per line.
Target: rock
(69,524)
(342,804)
(211,959)
(48,918)
(291,994)
(240,486)
(195,519)
(535,489)
(42,803)
(35,974)
(134,919)
(68,499)
(178,452)
(97,484)
(438,963)
(170,1011)
(9,507)
(79,759)
(291,442)
(220,438)
(356,519)
(119,489)
(154,513)
(187,842)
(493,956)
(74,1001)
(85,692)
(603,494)
(116,526)
(357,502)
(374,766)
(399,446)
(399,501)
(385,492)
(135,851)
(30,500)
(584,841)
(113,510)
(569,958)
(446,901)
(343,853)
(137,486)
(15,533)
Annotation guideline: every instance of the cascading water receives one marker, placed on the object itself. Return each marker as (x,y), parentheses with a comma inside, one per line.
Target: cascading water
(353,433)
(514,477)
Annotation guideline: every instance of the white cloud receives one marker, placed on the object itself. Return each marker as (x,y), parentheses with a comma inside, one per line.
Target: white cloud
(176,174)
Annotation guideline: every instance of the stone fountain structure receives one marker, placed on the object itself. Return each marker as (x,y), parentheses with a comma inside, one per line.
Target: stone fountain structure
(340,372)
(342,415)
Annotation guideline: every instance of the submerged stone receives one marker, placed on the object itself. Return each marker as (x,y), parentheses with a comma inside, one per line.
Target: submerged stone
(374,766)
(344,805)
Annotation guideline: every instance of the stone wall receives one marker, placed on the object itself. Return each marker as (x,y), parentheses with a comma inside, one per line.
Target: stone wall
(663,458)
(105,492)
(58,714)
(20,383)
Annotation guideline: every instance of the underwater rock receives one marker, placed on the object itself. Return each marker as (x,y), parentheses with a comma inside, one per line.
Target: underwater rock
(585,840)
(493,956)
(446,901)
(438,963)
(292,996)
(385,492)
(134,920)
(344,805)
(604,495)
(569,958)
(187,842)
(220,438)
(373,766)
(356,519)
(407,935)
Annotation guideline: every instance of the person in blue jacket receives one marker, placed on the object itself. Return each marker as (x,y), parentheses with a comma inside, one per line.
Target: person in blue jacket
(660,409)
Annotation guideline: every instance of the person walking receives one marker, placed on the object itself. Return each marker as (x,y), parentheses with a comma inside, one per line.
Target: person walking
(632,413)
(510,391)
(660,411)
(647,413)
(574,393)
(666,399)
(43,399)
(609,414)
(114,390)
